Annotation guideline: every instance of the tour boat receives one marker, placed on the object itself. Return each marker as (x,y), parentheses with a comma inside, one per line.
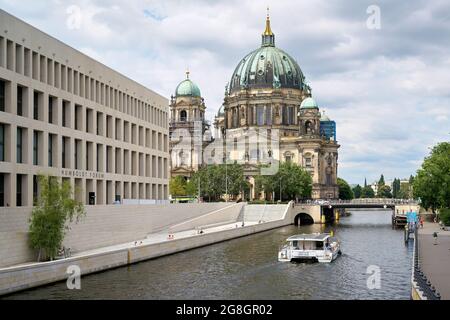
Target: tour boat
(321,247)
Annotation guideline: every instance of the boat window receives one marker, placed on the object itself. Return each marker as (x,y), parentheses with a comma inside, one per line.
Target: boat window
(319,244)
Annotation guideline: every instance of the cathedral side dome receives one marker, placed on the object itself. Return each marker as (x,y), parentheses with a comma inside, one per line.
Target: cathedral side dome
(221,112)
(267,67)
(309,103)
(187,88)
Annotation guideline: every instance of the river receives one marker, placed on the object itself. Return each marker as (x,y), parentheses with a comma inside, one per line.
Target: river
(247,268)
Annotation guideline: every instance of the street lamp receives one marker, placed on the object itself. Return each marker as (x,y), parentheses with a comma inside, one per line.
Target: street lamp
(280,190)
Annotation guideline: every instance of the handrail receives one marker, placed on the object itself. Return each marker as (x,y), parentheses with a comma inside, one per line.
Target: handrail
(428,290)
(386,201)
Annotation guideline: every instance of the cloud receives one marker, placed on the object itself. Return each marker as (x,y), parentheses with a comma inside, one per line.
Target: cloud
(387,89)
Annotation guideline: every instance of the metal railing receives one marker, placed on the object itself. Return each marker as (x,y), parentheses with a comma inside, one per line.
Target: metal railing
(380,201)
(418,277)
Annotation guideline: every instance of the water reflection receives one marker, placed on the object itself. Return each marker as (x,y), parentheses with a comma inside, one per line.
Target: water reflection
(247,268)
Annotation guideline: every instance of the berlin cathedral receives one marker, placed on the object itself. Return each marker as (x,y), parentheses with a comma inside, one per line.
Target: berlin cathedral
(267,93)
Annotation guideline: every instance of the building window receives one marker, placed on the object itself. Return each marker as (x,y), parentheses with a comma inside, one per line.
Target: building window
(50,109)
(2,189)
(65,106)
(19,190)
(35,189)
(291,115)
(65,141)
(19,101)
(268,115)
(260,115)
(2,142)
(50,150)
(183,116)
(35,148)
(36,105)
(19,144)
(308,162)
(2,95)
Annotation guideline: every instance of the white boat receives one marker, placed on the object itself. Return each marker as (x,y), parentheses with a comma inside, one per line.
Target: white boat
(321,247)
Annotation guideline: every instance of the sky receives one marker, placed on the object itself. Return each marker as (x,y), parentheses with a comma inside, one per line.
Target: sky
(382,73)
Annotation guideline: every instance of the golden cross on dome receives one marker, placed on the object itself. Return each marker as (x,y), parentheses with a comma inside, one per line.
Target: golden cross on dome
(268,31)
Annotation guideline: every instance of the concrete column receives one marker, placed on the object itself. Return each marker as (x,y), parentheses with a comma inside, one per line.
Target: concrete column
(3,56)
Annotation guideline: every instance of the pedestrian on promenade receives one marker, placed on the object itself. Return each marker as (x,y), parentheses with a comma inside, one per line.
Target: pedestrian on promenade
(421,222)
(435,236)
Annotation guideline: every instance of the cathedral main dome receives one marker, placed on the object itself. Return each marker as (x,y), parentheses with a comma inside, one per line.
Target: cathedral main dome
(267,67)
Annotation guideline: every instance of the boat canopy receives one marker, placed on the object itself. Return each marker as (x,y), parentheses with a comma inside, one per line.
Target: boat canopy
(309,237)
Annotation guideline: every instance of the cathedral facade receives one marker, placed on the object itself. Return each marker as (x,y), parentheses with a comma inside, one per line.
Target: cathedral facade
(268,94)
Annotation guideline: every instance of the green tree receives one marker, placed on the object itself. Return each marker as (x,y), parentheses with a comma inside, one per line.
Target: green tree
(291,180)
(345,192)
(177,186)
(432,182)
(395,188)
(381,182)
(216,180)
(384,192)
(54,207)
(444,216)
(367,192)
(357,190)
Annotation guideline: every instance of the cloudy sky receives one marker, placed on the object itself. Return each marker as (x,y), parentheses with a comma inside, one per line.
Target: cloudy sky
(388,88)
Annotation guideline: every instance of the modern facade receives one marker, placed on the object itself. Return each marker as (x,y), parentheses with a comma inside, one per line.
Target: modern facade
(69,116)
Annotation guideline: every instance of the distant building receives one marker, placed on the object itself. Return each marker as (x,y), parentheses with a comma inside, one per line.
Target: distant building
(267,93)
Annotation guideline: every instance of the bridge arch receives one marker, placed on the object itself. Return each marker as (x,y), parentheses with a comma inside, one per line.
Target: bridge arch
(302,219)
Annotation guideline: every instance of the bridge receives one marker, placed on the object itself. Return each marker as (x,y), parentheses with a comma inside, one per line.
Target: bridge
(321,211)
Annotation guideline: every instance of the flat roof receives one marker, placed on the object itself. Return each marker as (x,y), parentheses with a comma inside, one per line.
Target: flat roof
(309,237)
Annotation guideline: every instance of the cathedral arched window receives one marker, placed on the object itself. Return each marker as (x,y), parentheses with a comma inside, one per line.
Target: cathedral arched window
(259,115)
(308,127)
(183,116)
(308,160)
(288,156)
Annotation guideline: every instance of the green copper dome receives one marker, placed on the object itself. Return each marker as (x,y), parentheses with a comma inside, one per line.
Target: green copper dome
(267,67)
(221,112)
(309,103)
(187,88)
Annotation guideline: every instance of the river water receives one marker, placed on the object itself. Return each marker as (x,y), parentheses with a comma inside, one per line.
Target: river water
(247,268)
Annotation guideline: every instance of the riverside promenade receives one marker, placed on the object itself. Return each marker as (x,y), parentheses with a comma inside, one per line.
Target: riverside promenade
(435,259)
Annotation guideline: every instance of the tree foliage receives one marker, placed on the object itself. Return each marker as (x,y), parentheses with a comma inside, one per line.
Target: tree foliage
(367,192)
(53,208)
(291,180)
(177,186)
(444,215)
(432,182)
(345,192)
(217,180)
(384,191)
(357,191)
